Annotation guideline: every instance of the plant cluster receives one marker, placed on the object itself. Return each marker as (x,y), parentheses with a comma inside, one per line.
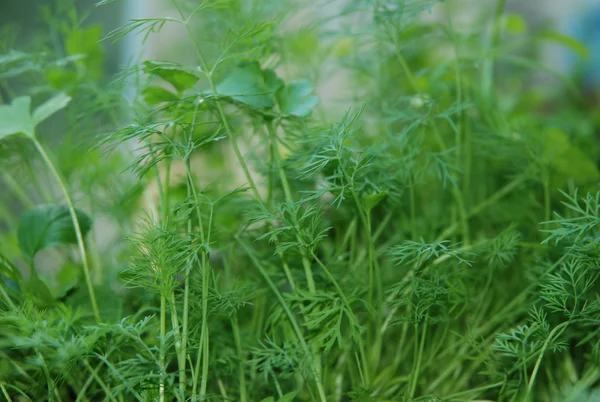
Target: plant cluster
(435,241)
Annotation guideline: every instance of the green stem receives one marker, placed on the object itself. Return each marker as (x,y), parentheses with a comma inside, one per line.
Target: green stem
(418,359)
(204,381)
(485,204)
(5,392)
(220,110)
(163,334)
(458,196)
(176,327)
(288,195)
(547,206)
(104,387)
(6,298)
(184,335)
(204,344)
(558,331)
(289,314)
(470,391)
(350,311)
(413,219)
(238,346)
(487,76)
(78,233)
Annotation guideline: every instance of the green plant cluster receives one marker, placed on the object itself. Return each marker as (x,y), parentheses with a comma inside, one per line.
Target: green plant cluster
(435,241)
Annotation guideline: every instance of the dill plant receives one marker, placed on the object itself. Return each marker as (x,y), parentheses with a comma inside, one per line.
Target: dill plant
(429,243)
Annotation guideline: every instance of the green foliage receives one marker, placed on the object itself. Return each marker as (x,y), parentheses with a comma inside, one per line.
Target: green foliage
(47,226)
(16,118)
(414,233)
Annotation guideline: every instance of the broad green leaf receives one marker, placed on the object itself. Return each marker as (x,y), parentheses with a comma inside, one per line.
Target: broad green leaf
(63,281)
(50,107)
(38,288)
(15,118)
(297,99)
(272,82)
(49,225)
(288,397)
(250,85)
(268,399)
(111,304)
(173,73)
(154,95)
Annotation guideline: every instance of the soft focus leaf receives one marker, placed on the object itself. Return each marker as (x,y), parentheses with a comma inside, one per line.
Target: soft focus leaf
(50,107)
(249,85)
(15,118)
(568,160)
(297,99)
(49,225)
(154,95)
(173,73)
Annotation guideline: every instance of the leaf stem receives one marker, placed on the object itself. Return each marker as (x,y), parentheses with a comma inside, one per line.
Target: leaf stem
(350,311)
(163,334)
(238,347)
(289,314)
(5,392)
(288,195)
(556,332)
(418,359)
(78,233)
(220,110)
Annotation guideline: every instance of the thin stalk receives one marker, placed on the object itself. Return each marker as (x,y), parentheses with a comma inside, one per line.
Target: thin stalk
(78,233)
(507,189)
(463,134)
(350,311)
(163,334)
(222,389)
(238,346)
(288,195)
(375,277)
(456,193)
(7,298)
(470,391)
(547,206)
(86,385)
(413,219)
(556,332)
(5,392)
(204,380)
(289,314)
(458,196)
(487,71)
(184,331)
(175,325)
(186,287)
(501,316)
(204,344)
(419,358)
(104,387)
(220,110)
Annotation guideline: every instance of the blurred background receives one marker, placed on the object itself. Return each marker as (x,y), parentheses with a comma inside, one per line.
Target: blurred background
(25,20)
